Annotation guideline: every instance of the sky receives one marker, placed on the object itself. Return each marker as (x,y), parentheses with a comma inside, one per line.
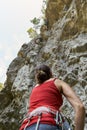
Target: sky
(15,16)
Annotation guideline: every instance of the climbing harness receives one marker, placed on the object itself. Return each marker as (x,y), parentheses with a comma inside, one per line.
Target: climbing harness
(59,118)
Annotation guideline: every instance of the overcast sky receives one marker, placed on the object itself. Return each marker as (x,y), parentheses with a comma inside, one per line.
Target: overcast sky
(15,16)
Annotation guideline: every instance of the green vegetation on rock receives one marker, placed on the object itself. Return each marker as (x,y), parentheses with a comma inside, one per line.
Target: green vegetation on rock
(1,86)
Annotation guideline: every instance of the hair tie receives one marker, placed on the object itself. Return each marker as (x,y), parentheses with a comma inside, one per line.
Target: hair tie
(42,72)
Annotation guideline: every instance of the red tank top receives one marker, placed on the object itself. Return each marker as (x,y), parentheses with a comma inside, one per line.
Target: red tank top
(48,95)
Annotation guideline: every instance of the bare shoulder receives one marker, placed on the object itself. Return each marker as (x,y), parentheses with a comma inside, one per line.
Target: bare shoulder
(68,92)
(58,84)
(63,87)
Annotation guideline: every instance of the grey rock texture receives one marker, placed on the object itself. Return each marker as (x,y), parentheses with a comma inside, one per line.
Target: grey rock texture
(63,46)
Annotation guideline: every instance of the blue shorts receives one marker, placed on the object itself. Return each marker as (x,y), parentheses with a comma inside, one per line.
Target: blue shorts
(65,126)
(43,127)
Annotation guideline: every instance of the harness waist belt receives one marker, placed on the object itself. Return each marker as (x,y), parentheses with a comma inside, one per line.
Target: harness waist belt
(41,110)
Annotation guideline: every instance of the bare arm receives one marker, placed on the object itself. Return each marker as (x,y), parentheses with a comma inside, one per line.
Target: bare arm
(75,102)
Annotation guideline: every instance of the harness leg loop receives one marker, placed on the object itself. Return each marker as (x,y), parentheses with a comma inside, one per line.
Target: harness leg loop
(27,124)
(38,122)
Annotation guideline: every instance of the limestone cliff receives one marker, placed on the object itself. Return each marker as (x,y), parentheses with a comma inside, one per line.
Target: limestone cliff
(62,46)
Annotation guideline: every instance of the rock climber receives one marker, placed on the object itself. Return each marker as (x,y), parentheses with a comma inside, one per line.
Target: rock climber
(46,100)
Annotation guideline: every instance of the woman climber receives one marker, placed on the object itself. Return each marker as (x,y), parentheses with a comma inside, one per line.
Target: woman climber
(45,103)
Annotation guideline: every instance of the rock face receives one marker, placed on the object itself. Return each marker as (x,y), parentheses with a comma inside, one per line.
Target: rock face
(71,15)
(63,46)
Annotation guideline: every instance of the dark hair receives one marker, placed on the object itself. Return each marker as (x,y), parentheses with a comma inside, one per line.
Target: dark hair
(43,73)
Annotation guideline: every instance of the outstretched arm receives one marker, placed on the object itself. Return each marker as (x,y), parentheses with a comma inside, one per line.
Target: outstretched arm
(75,102)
